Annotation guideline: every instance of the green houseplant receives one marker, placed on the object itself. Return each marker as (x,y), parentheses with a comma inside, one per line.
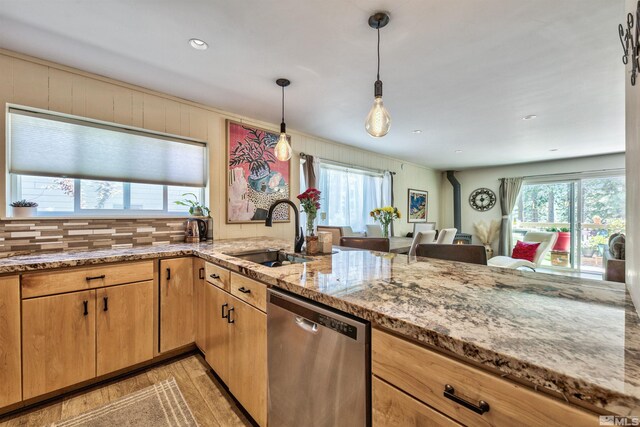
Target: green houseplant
(195,207)
(24,208)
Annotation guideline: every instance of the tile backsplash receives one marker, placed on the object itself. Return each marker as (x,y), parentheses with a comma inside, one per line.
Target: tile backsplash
(57,234)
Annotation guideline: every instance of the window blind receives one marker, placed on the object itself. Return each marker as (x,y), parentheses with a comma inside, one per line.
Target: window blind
(45,144)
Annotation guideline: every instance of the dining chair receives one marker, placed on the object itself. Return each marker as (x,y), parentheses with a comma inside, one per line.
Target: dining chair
(423,226)
(374,230)
(446,236)
(422,237)
(473,254)
(371,243)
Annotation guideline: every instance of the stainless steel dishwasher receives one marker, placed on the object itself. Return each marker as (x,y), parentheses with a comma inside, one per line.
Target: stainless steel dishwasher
(319,365)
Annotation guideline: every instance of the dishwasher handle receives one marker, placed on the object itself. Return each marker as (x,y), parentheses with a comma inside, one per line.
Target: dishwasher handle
(307,325)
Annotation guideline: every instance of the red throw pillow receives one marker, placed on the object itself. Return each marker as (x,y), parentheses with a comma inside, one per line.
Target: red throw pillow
(524,250)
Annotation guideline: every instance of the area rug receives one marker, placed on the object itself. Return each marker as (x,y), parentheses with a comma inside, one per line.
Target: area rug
(161,404)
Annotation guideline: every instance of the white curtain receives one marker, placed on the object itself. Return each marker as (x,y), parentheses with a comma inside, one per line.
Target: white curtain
(387,192)
(348,195)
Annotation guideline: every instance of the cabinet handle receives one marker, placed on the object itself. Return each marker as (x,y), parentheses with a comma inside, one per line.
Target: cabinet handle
(214,276)
(229,315)
(201,274)
(105,300)
(244,290)
(224,316)
(168,274)
(86,307)
(88,279)
(480,408)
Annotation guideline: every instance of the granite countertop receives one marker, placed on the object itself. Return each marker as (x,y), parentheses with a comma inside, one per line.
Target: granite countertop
(574,336)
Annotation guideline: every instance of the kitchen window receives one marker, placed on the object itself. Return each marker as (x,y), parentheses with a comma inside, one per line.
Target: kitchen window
(68,196)
(87,167)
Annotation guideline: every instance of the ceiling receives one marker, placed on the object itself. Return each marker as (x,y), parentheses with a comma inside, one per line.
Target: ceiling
(465,72)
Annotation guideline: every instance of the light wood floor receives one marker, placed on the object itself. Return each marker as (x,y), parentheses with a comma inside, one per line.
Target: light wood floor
(209,401)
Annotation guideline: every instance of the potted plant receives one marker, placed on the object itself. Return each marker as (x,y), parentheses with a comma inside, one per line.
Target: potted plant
(195,207)
(385,217)
(310,203)
(23,208)
(563,241)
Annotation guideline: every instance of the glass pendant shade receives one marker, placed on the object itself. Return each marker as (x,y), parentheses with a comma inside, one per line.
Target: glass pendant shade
(283,149)
(378,120)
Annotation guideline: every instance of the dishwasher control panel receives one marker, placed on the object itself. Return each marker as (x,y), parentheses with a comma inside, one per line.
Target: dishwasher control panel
(337,325)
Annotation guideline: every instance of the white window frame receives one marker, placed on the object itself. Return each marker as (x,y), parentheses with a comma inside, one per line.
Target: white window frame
(16,194)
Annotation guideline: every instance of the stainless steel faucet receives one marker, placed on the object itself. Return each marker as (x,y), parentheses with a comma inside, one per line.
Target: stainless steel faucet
(299,240)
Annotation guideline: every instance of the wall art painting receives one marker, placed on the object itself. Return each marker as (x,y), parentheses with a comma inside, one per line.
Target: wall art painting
(255,178)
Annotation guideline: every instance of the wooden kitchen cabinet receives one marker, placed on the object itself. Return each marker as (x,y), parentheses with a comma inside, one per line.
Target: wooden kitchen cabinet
(10,359)
(59,341)
(217,330)
(424,374)
(124,326)
(392,407)
(199,290)
(248,358)
(176,303)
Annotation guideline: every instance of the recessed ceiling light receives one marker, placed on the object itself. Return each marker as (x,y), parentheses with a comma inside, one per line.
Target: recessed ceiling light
(529,117)
(458,151)
(417,131)
(198,44)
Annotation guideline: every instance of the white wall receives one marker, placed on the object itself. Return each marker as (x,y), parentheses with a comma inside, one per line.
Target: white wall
(32,82)
(488,177)
(633,182)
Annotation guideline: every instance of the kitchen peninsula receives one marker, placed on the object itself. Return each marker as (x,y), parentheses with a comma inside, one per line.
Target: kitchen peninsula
(570,338)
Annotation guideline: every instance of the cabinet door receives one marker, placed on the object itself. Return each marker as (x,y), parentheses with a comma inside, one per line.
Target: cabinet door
(248,358)
(217,330)
(124,326)
(58,341)
(10,379)
(199,303)
(176,303)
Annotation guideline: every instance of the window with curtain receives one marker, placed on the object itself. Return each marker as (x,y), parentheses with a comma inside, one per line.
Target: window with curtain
(348,195)
(88,167)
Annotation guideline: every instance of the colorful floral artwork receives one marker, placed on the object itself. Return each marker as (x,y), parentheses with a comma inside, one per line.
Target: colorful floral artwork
(417,206)
(255,178)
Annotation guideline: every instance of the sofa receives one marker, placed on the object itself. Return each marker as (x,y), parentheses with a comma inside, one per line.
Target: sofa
(338,232)
(613,259)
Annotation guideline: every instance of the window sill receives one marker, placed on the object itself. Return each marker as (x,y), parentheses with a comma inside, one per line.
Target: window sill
(97,217)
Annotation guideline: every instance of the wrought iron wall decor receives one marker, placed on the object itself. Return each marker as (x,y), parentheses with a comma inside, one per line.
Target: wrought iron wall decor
(630,43)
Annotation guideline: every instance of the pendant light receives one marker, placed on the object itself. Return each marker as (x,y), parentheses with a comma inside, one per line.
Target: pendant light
(378,120)
(283,149)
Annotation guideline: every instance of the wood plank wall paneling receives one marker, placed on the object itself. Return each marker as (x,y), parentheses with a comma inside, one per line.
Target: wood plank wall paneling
(32,82)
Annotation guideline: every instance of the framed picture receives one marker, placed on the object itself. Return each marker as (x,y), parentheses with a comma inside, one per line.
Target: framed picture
(255,178)
(417,206)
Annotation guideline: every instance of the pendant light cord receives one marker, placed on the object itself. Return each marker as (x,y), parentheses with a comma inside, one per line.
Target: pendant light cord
(378,75)
(282,104)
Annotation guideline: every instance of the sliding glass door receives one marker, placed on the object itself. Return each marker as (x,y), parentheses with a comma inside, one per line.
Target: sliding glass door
(583,212)
(549,206)
(601,213)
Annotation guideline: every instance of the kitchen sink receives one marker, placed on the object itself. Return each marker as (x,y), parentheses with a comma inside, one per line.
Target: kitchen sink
(269,257)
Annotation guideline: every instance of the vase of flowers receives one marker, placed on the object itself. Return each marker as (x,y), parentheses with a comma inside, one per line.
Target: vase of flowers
(310,204)
(385,217)
(487,234)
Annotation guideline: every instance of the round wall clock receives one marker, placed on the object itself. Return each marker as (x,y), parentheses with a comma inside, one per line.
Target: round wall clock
(482,199)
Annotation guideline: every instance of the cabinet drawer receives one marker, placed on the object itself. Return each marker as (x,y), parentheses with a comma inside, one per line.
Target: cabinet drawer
(392,407)
(250,291)
(221,277)
(77,279)
(423,373)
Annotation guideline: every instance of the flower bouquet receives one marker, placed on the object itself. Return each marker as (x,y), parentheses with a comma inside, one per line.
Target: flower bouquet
(385,217)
